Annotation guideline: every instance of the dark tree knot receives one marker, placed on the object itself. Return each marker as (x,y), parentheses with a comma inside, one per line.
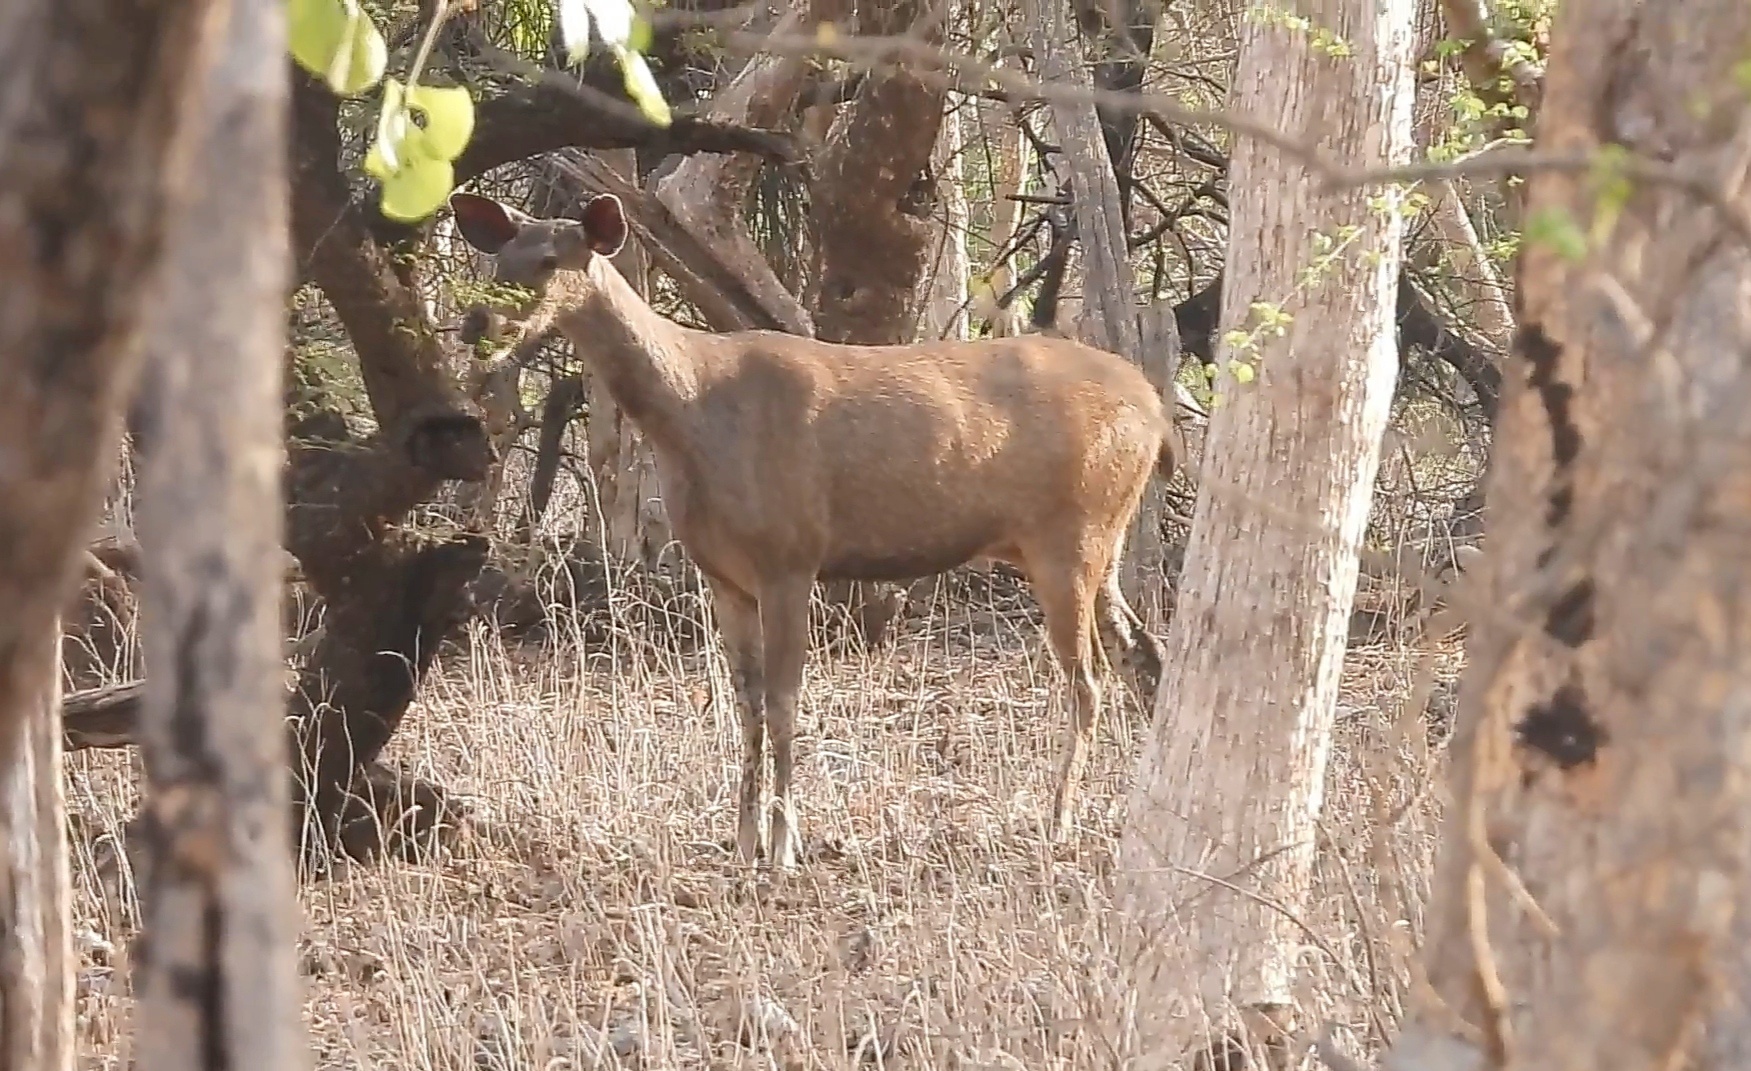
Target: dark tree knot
(1563,728)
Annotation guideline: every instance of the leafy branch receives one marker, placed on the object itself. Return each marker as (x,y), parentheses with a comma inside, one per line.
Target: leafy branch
(422,129)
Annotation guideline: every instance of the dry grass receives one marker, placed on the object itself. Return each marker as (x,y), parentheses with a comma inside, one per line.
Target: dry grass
(593,911)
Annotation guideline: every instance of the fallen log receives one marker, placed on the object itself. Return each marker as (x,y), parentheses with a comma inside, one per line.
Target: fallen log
(102,717)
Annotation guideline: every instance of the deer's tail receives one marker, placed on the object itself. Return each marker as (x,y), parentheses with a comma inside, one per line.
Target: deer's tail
(1167,457)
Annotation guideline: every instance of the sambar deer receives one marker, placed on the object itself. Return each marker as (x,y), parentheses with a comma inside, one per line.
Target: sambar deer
(783,460)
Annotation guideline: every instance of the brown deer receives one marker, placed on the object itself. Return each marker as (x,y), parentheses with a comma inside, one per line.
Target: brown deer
(783,460)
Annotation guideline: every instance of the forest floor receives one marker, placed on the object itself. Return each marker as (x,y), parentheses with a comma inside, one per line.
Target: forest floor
(592,913)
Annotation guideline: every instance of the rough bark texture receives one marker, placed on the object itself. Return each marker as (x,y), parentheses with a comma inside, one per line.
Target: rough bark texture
(1592,890)
(215,973)
(1012,163)
(36,958)
(80,229)
(873,234)
(1108,300)
(944,312)
(1227,791)
(92,144)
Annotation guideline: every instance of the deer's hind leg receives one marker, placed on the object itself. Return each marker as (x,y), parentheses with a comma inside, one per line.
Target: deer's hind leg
(1065,585)
(738,622)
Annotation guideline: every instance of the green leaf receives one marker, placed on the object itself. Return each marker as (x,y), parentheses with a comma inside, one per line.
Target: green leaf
(448,112)
(426,122)
(641,86)
(1243,372)
(336,41)
(314,29)
(365,56)
(418,189)
(1742,75)
(574,29)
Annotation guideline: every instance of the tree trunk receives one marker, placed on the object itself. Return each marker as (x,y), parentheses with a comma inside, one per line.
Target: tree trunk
(945,302)
(1591,893)
(1222,812)
(869,207)
(390,599)
(215,972)
(36,957)
(92,151)
(557,414)
(1012,163)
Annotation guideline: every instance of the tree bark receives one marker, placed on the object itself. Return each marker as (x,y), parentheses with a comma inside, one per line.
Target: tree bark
(872,232)
(1012,163)
(1222,811)
(215,975)
(1591,892)
(36,957)
(557,413)
(390,599)
(945,302)
(92,151)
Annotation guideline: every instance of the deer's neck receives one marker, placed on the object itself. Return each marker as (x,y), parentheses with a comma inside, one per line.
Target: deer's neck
(643,358)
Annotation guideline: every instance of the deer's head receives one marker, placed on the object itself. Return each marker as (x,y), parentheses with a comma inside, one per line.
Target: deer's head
(528,253)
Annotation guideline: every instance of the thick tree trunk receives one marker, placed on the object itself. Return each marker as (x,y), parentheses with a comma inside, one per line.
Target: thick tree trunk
(390,599)
(1592,889)
(36,957)
(1222,813)
(871,227)
(215,973)
(93,142)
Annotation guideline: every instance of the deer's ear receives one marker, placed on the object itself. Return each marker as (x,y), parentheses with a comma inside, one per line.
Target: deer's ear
(605,223)
(483,222)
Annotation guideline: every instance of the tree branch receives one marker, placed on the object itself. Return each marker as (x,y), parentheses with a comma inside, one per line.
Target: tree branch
(550,114)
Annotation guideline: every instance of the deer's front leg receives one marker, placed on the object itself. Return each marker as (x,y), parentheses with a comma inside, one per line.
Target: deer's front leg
(738,621)
(784,621)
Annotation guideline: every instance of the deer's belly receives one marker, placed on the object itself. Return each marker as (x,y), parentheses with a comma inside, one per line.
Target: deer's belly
(908,559)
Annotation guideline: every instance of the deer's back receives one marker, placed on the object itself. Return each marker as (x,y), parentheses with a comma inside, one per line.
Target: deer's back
(903,461)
